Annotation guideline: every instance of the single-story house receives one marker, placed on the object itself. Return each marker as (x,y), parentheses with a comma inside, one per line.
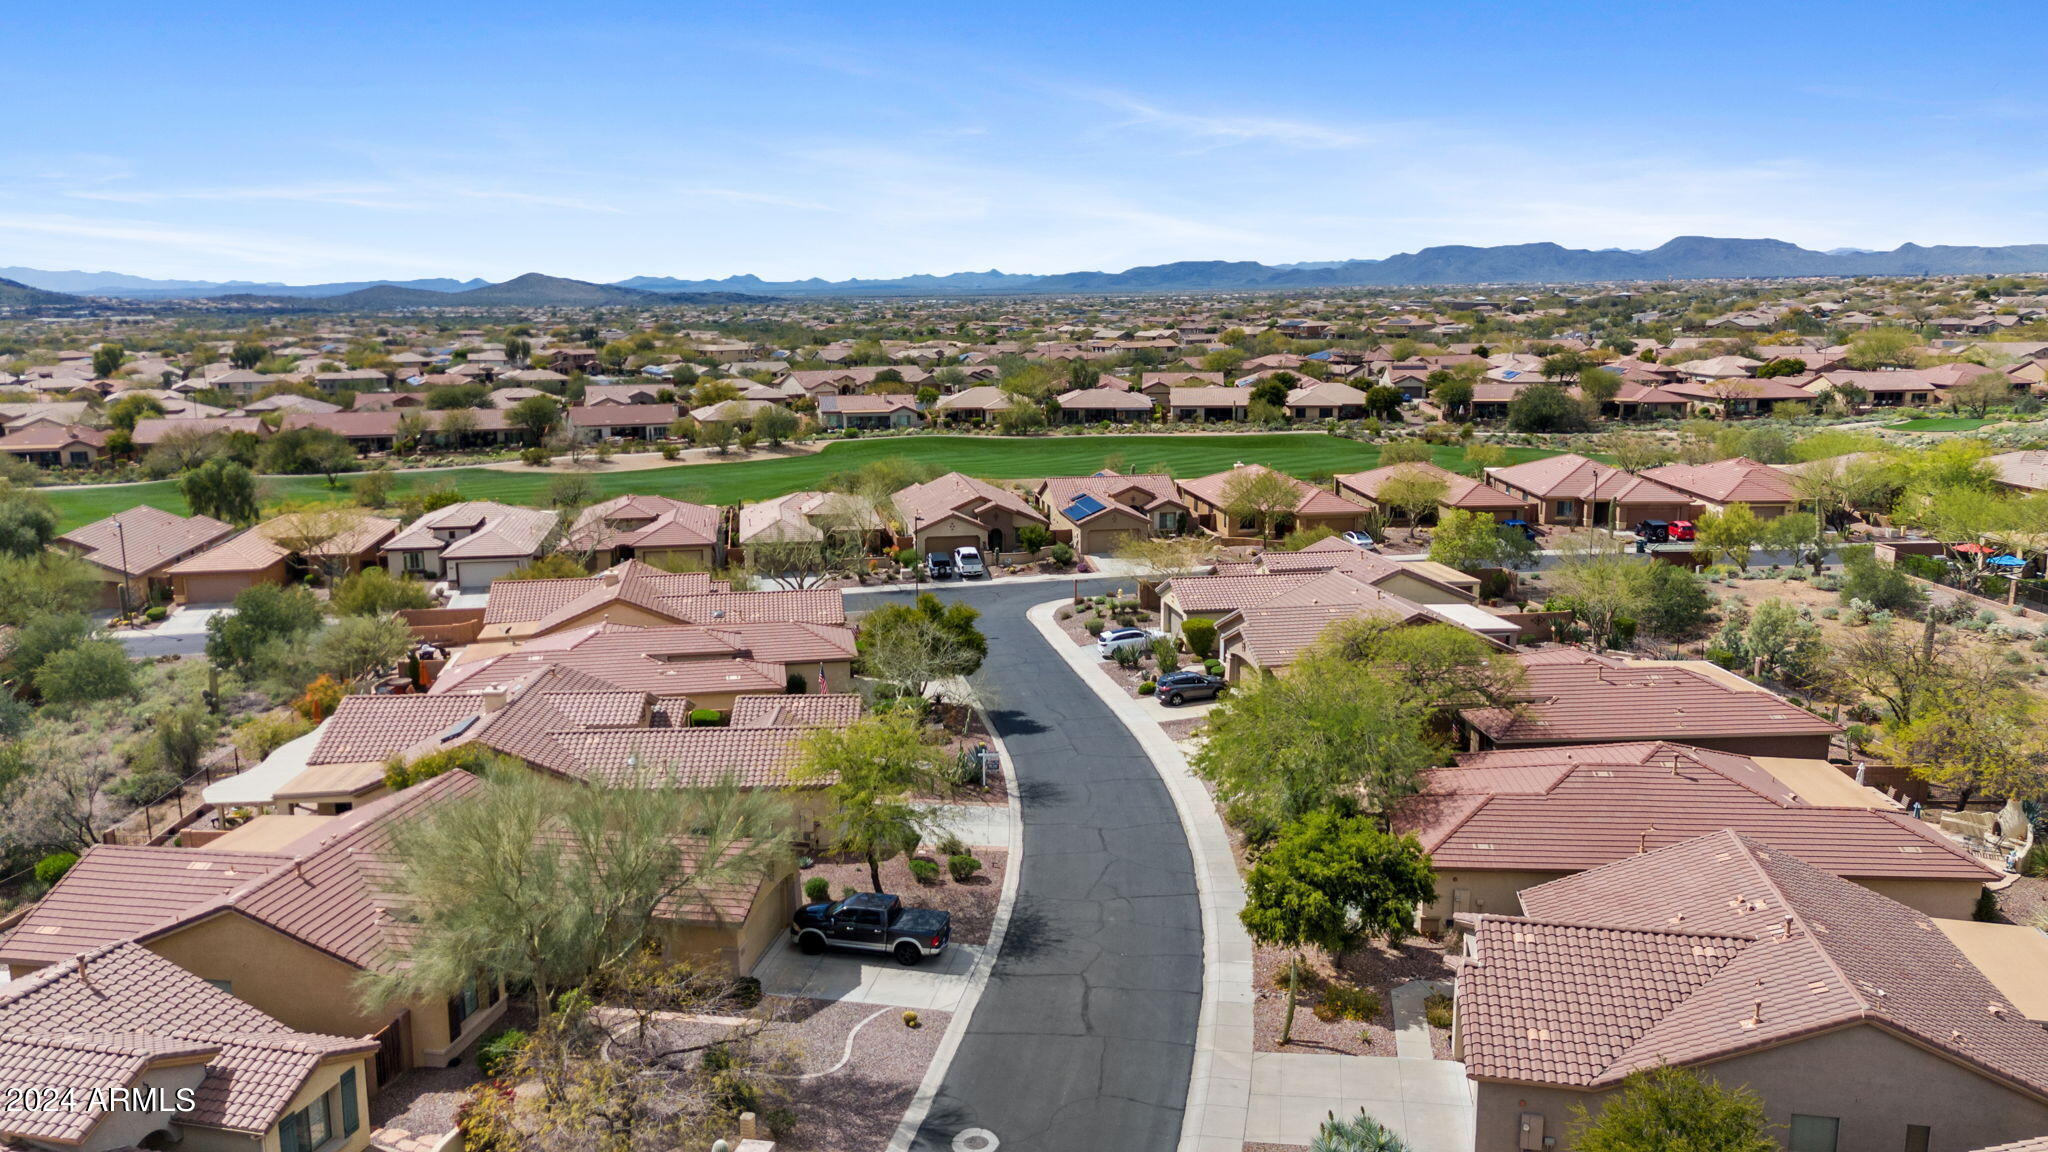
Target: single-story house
(1461,492)
(864,410)
(623,421)
(1574,491)
(959,511)
(1207,497)
(654,529)
(978,404)
(1101,513)
(1201,404)
(132,551)
(1859,1021)
(49,444)
(472,543)
(335,542)
(1103,405)
(1325,400)
(1768,491)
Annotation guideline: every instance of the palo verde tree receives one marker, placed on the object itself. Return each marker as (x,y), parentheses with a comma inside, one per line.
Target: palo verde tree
(529,880)
(1665,1109)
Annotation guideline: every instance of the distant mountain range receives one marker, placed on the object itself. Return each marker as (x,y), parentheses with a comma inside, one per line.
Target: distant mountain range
(1683,258)
(14,294)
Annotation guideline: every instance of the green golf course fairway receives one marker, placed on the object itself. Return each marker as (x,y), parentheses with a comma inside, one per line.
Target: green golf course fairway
(739,481)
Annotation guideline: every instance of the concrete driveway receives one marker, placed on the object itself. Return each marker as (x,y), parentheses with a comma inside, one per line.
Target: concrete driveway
(183,633)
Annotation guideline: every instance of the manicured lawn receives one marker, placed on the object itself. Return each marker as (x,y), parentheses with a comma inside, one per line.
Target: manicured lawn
(1941,424)
(743,480)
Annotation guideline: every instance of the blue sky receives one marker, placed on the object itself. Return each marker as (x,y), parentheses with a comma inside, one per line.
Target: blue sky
(269,141)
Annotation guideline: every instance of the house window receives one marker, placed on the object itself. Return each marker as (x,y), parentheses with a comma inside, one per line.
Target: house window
(478,996)
(330,1118)
(1917,1136)
(1564,508)
(1814,1133)
(415,562)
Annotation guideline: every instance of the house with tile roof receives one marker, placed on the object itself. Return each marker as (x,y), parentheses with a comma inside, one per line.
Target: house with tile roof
(1571,696)
(1208,403)
(634,593)
(471,544)
(1325,400)
(1104,405)
(266,554)
(289,930)
(1100,513)
(1499,822)
(1857,1019)
(1574,491)
(132,551)
(53,444)
(810,516)
(869,410)
(959,511)
(144,1054)
(706,665)
(1738,480)
(1207,496)
(976,405)
(651,529)
(1461,492)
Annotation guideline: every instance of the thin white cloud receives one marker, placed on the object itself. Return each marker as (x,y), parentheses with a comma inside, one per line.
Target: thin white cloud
(375,196)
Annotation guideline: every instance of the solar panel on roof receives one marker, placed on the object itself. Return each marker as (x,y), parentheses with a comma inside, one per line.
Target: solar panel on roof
(1083,507)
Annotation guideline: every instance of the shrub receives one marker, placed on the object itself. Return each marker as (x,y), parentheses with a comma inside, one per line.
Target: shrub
(746,991)
(535,457)
(703,717)
(1345,1002)
(1128,656)
(1213,667)
(259,736)
(1200,635)
(846,890)
(962,867)
(144,786)
(951,845)
(1437,1009)
(910,1019)
(1094,626)
(670,452)
(155,613)
(52,868)
(906,556)
(924,871)
(1062,555)
(1165,654)
(321,697)
(1987,907)
(1147,687)
(1361,1133)
(1032,537)
(817,890)
(496,1053)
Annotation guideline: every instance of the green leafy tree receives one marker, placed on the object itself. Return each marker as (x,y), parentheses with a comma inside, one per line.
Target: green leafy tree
(1330,881)
(911,646)
(49,581)
(106,360)
(28,522)
(355,646)
(876,769)
(1975,738)
(533,881)
(263,615)
(1261,497)
(223,490)
(247,354)
(536,416)
(776,424)
(92,670)
(1469,541)
(307,451)
(1545,407)
(1666,1109)
(1324,733)
(1882,347)
(123,413)
(376,592)
(1413,493)
(1728,535)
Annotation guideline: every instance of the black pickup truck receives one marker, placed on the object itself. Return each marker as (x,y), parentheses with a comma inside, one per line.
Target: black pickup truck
(872,922)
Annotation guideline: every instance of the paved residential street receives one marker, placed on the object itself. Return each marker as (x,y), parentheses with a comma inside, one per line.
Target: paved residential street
(1085,1035)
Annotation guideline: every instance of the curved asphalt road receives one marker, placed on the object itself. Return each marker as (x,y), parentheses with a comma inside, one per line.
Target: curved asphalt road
(1085,1034)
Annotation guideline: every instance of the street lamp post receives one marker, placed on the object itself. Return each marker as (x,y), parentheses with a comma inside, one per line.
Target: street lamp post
(916,556)
(121,538)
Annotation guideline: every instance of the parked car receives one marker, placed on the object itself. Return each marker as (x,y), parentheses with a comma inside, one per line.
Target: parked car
(939,566)
(872,922)
(1654,531)
(1112,639)
(1358,538)
(1188,684)
(1683,530)
(968,560)
(1528,533)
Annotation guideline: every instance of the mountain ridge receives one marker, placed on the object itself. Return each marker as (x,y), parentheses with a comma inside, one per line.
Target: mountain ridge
(1680,258)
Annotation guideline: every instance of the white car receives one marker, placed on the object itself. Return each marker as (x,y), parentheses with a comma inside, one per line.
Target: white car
(1358,538)
(1114,639)
(968,561)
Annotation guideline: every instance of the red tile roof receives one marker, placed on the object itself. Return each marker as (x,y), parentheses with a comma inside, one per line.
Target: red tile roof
(143,537)
(1570,809)
(1459,491)
(1727,481)
(640,521)
(117,891)
(1575,697)
(1715,946)
(1314,501)
(1573,477)
(84,1022)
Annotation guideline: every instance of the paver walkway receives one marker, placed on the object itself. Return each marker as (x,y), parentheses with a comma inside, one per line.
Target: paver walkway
(1411,1024)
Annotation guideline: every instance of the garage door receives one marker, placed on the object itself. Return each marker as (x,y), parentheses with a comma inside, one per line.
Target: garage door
(948,543)
(219,589)
(1104,540)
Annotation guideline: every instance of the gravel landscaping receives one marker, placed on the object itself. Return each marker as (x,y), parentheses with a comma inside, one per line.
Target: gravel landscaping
(972,904)
(857,1107)
(2025,902)
(1372,967)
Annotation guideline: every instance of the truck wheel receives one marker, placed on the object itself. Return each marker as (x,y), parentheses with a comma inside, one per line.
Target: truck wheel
(810,944)
(907,954)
